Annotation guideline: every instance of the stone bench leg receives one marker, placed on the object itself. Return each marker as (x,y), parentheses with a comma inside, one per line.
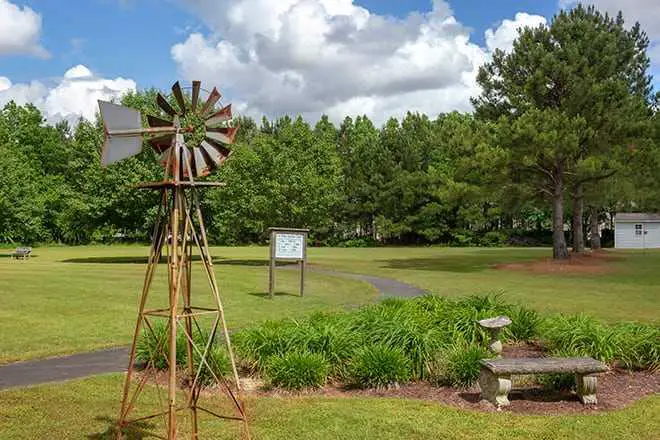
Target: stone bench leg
(494,388)
(586,388)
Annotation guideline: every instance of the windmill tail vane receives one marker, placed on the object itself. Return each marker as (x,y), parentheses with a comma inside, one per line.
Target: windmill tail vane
(193,139)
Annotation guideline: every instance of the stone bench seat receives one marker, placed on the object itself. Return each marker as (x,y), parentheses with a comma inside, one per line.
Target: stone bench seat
(495,378)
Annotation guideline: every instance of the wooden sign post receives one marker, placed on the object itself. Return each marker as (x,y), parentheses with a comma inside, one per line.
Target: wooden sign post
(287,244)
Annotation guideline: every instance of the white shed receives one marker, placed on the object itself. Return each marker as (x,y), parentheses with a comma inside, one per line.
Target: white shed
(636,231)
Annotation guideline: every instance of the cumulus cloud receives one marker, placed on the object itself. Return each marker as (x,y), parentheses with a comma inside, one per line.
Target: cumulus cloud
(73,96)
(331,56)
(20,29)
(504,36)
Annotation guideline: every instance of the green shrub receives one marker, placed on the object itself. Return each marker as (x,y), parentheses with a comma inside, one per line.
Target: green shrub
(580,335)
(379,366)
(331,337)
(458,364)
(152,346)
(638,345)
(525,324)
(297,370)
(493,238)
(257,344)
(403,325)
(557,381)
(218,360)
(459,317)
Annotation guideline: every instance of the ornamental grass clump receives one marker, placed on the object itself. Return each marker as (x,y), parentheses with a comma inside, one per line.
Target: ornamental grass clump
(257,344)
(525,324)
(458,364)
(153,347)
(217,365)
(580,335)
(331,337)
(638,346)
(379,366)
(297,370)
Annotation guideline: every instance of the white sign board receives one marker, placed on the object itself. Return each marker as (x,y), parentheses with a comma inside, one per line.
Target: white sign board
(289,246)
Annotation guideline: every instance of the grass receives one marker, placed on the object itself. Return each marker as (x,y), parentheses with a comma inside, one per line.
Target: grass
(628,291)
(84,409)
(71,299)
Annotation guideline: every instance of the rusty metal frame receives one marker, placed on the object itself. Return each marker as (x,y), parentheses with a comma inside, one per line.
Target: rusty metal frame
(179,217)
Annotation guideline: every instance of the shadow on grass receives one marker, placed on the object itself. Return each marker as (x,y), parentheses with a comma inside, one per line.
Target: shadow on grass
(542,395)
(11,254)
(265,294)
(475,262)
(134,431)
(240,262)
(163,259)
(458,264)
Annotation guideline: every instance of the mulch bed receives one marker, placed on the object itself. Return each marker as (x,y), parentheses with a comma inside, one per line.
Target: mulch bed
(616,389)
(588,263)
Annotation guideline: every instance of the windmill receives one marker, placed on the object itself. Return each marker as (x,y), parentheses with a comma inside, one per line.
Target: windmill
(192,139)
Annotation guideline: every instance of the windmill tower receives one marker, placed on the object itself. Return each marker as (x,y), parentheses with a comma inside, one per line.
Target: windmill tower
(192,139)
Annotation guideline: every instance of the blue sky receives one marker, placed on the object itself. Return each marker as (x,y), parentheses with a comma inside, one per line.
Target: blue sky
(267,64)
(132,38)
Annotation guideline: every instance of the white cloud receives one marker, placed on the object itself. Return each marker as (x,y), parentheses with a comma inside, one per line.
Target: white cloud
(20,29)
(73,96)
(331,56)
(504,36)
(4,83)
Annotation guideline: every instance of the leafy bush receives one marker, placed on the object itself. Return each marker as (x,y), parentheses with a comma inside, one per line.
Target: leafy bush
(297,370)
(217,359)
(525,324)
(257,344)
(379,366)
(493,238)
(458,365)
(153,346)
(580,335)
(638,346)
(361,242)
(557,381)
(330,336)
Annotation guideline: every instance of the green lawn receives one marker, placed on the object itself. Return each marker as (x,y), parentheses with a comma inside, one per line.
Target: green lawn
(84,409)
(69,299)
(628,291)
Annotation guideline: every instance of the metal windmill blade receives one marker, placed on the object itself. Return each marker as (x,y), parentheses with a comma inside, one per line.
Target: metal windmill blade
(124,130)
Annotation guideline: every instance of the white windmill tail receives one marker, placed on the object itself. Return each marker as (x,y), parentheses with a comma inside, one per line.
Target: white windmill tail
(119,121)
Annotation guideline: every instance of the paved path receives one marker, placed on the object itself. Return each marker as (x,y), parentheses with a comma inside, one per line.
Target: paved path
(116,359)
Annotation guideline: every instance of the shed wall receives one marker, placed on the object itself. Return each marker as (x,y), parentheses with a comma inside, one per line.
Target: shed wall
(626,238)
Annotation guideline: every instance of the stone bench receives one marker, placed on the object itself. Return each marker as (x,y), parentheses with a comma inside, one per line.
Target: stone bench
(495,378)
(22,253)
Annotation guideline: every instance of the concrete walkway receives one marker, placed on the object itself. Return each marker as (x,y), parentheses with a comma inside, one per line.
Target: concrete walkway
(116,359)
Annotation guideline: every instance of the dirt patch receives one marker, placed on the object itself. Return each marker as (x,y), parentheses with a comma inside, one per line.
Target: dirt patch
(586,263)
(616,389)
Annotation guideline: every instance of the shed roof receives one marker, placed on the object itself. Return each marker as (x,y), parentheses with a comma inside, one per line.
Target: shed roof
(636,217)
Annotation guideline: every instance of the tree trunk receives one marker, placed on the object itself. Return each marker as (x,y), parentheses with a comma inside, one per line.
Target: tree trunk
(578,214)
(595,233)
(559,248)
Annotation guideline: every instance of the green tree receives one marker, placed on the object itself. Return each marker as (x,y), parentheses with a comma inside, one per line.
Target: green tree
(585,70)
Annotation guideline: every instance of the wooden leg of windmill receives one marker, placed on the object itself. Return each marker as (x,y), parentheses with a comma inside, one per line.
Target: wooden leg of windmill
(174,299)
(154,257)
(189,325)
(206,258)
